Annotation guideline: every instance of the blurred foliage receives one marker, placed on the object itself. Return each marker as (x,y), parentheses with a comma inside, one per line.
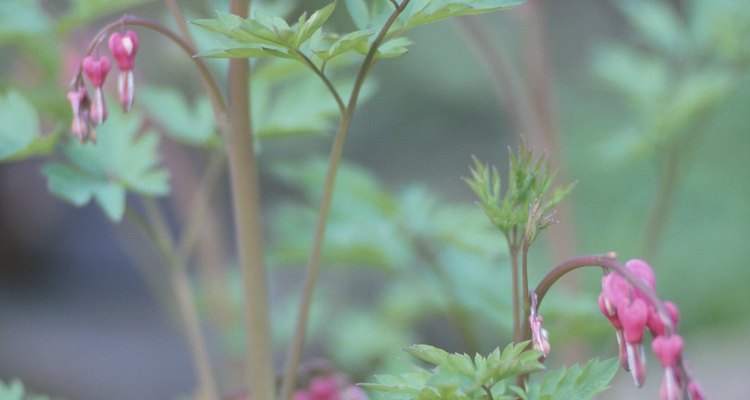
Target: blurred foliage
(15,390)
(439,265)
(681,71)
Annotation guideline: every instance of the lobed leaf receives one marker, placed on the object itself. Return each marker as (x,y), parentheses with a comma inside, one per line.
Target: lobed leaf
(122,160)
(19,124)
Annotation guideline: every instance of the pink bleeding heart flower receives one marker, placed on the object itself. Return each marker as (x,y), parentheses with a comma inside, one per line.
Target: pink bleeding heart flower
(124,48)
(96,70)
(324,388)
(633,317)
(656,321)
(668,349)
(353,392)
(81,106)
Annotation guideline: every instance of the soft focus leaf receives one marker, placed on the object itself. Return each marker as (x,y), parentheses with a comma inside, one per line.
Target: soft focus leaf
(422,12)
(359,12)
(122,160)
(191,124)
(22,18)
(19,124)
(575,383)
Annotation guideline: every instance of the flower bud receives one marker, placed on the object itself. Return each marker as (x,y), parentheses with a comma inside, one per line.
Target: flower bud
(81,106)
(668,349)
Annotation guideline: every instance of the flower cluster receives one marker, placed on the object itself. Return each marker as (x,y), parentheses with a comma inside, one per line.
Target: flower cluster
(89,112)
(330,387)
(631,312)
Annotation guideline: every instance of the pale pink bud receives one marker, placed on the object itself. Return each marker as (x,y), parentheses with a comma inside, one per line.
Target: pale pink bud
(124,48)
(81,123)
(539,336)
(96,69)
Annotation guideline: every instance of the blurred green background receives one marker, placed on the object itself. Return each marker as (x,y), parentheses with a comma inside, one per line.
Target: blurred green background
(635,92)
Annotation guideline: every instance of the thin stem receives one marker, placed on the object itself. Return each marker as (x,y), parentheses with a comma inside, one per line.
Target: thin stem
(659,215)
(158,229)
(517,337)
(525,287)
(313,263)
(324,78)
(179,19)
(243,175)
(200,206)
(609,262)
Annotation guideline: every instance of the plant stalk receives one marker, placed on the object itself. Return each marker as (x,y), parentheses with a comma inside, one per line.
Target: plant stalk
(157,228)
(313,263)
(244,182)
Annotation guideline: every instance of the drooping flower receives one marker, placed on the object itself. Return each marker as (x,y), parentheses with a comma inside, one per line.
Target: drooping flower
(668,349)
(96,70)
(124,48)
(80,104)
(656,322)
(633,317)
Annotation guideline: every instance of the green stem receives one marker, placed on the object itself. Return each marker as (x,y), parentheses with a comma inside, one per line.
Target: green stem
(244,182)
(313,263)
(157,228)
(319,72)
(659,215)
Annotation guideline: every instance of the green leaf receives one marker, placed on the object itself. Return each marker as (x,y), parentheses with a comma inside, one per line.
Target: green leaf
(19,124)
(307,27)
(263,36)
(422,12)
(354,41)
(121,160)
(427,353)
(658,23)
(190,124)
(394,48)
(575,383)
(458,376)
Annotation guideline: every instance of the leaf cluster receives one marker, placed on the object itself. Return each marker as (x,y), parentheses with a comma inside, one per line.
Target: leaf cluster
(304,40)
(579,382)
(459,376)
(525,206)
